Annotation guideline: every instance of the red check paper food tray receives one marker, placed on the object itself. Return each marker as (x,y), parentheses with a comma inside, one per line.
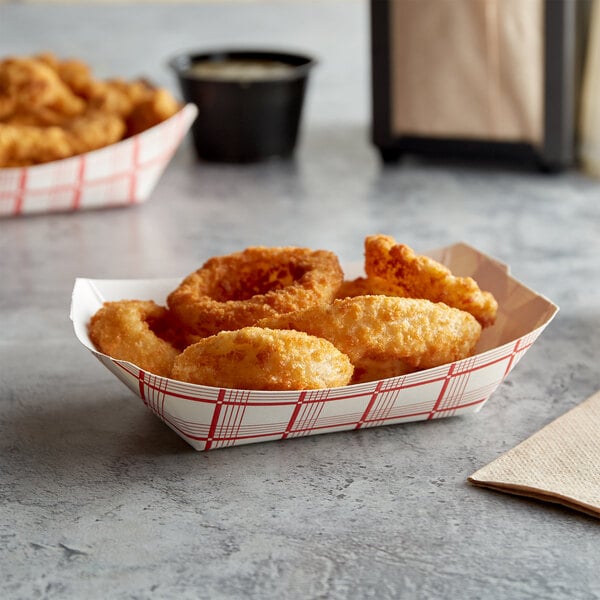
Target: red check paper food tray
(121,174)
(209,418)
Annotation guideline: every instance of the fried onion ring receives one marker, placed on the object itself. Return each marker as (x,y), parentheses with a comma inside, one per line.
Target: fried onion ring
(125,330)
(423,277)
(236,290)
(253,358)
(406,333)
(367,286)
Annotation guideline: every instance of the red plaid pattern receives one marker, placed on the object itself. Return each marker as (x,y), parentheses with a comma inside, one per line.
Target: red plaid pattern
(120,174)
(209,418)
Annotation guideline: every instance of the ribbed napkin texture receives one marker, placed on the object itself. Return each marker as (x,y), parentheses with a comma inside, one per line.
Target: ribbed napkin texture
(560,463)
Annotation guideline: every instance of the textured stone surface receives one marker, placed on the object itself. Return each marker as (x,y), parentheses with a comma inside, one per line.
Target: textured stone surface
(99,499)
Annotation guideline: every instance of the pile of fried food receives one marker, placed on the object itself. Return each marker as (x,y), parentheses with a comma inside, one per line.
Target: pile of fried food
(285,318)
(52,109)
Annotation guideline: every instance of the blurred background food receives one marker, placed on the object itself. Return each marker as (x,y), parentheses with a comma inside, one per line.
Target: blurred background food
(52,108)
(516,79)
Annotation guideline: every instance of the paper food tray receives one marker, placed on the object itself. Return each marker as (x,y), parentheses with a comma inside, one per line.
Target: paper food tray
(209,418)
(121,174)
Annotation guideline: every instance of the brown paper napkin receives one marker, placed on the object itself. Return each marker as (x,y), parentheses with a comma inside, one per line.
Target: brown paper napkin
(484,95)
(560,463)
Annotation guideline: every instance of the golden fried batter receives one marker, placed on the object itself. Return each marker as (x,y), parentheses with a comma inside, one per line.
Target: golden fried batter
(33,84)
(381,367)
(283,319)
(94,130)
(423,277)
(151,110)
(409,333)
(40,94)
(23,145)
(234,291)
(367,286)
(253,358)
(125,330)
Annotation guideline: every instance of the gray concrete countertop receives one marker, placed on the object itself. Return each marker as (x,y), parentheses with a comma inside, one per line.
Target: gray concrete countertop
(99,499)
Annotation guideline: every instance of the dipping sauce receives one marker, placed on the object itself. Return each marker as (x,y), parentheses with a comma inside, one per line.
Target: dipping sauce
(240,70)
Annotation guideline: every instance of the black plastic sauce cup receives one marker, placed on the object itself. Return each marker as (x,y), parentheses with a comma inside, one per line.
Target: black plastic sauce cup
(245,118)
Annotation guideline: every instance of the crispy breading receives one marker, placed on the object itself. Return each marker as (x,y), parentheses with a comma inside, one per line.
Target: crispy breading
(157,106)
(254,358)
(42,117)
(367,286)
(381,367)
(40,94)
(268,318)
(94,130)
(237,289)
(33,84)
(414,333)
(423,277)
(125,330)
(24,145)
